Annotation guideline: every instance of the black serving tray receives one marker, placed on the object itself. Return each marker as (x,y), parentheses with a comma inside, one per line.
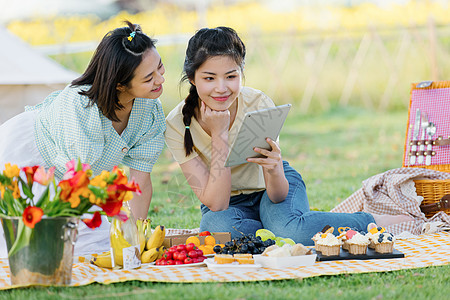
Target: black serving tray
(370,254)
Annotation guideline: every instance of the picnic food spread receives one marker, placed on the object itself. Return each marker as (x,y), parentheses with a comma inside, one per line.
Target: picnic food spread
(261,250)
(355,244)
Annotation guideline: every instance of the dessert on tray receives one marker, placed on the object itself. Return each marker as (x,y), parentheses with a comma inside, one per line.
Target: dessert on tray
(373,229)
(357,243)
(384,242)
(329,244)
(343,236)
(327,229)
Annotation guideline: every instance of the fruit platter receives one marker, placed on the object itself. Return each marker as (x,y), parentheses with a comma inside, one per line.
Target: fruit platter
(252,252)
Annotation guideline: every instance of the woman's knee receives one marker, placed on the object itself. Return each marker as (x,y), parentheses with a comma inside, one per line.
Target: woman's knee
(218,221)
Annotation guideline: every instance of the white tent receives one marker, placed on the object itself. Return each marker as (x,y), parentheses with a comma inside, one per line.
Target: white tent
(26,77)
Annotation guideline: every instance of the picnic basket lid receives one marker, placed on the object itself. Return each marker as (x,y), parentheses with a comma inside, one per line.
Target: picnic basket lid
(432,97)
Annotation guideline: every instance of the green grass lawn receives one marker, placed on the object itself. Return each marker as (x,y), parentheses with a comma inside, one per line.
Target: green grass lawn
(334,152)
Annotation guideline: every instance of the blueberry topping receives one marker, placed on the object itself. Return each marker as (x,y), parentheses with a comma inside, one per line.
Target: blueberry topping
(379,228)
(389,238)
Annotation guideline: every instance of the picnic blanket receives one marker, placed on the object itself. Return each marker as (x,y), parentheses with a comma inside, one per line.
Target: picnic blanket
(421,251)
(393,193)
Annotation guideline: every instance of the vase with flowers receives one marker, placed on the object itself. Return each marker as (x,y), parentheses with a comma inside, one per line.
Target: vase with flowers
(40,230)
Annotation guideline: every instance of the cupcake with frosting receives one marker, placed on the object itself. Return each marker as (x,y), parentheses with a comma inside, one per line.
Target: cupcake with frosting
(357,244)
(343,236)
(384,242)
(329,244)
(372,230)
(327,229)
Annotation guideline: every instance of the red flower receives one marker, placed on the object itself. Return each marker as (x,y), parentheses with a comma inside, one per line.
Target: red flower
(29,171)
(72,188)
(32,215)
(111,208)
(95,222)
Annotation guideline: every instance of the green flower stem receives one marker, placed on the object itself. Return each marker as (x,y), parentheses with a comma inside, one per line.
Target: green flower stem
(27,190)
(44,198)
(23,238)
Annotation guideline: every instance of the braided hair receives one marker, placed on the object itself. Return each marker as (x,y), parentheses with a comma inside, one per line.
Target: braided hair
(205,44)
(116,58)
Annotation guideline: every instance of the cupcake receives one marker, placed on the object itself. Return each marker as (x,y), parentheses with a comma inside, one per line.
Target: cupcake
(357,244)
(373,229)
(317,236)
(343,236)
(329,244)
(384,242)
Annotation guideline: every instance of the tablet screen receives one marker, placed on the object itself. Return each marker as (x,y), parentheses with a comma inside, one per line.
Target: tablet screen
(256,127)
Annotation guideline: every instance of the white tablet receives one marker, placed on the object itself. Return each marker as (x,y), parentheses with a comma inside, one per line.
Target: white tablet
(255,128)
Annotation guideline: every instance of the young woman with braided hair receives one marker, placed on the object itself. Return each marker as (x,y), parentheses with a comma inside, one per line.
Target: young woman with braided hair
(263,193)
(108,116)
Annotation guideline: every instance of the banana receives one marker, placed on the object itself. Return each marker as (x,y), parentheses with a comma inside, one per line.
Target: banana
(103,260)
(157,238)
(148,228)
(153,254)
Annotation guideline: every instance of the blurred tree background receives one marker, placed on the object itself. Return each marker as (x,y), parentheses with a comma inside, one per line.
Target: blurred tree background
(314,54)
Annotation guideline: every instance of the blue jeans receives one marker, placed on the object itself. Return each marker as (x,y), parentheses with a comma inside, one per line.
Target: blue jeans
(290,218)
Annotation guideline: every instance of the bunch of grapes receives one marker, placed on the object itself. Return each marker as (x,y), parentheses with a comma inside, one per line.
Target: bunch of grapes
(244,244)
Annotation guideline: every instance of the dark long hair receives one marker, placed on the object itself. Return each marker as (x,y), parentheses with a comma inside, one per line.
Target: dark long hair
(114,61)
(206,43)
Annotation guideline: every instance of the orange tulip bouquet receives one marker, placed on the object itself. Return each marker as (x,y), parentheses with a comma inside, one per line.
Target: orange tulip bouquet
(74,195)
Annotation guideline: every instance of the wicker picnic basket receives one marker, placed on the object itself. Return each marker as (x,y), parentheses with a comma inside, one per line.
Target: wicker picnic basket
(432,100)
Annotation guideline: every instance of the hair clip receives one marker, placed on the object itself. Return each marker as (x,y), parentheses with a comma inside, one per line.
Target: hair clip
(130,38)
(187,127)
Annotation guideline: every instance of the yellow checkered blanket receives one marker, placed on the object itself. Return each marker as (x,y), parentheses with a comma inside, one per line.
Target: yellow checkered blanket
(423,251)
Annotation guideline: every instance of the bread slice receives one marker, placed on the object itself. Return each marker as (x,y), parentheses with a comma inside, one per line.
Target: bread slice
(223,258)
(245,260)
(299,249)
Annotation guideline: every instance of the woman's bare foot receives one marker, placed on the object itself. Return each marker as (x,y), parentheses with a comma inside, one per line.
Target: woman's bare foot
(387,220)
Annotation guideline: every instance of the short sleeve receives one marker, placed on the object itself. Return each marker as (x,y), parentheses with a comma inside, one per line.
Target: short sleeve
(63,130)
(144,154)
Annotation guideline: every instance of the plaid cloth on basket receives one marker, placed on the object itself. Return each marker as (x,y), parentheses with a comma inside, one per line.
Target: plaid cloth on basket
(435,101)
(387,193)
